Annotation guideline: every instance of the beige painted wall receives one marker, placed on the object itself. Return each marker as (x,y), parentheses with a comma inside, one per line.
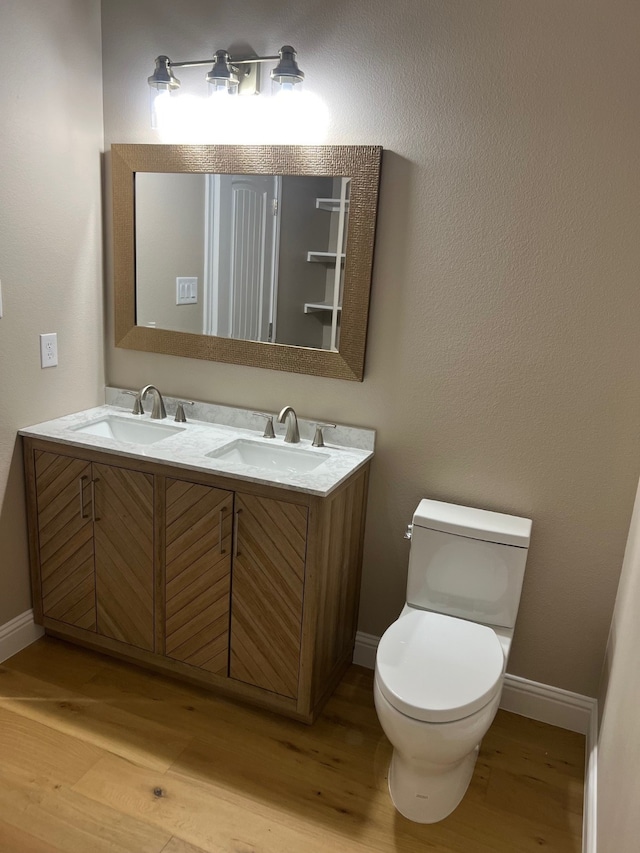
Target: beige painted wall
(51,241)
(503,351)
(619,738)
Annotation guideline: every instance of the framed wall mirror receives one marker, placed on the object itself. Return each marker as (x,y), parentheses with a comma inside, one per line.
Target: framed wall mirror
(254,255)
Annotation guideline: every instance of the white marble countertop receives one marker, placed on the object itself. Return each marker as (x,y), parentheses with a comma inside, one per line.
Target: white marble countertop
(187,448)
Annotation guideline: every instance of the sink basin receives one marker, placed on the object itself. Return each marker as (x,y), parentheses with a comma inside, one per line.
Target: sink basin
(125,429)
(270,457)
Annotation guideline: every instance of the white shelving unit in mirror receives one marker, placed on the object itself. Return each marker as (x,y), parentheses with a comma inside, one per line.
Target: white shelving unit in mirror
(330,308)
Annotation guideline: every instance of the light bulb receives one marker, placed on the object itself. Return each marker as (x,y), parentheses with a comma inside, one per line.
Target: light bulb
(218,88)
(158,98)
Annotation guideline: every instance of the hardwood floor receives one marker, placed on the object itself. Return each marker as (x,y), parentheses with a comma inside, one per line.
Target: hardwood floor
(97,756)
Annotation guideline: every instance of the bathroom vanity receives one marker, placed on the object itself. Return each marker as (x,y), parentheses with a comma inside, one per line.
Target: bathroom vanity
(181,557)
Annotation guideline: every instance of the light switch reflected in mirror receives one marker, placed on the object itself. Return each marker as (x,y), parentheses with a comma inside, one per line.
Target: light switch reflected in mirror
(248,257)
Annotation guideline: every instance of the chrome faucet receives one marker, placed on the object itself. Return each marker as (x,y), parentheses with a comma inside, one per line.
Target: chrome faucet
(288,415)
(159,410)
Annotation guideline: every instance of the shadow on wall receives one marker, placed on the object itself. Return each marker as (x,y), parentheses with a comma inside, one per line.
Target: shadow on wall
(13,540)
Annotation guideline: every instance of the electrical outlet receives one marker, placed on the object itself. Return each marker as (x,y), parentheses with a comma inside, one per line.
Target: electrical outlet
(49,350)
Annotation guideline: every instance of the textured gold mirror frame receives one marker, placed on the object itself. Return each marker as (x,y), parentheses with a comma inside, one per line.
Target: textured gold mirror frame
(360,163)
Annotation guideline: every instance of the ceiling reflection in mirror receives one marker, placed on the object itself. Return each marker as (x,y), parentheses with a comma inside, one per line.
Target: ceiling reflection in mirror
(250,257)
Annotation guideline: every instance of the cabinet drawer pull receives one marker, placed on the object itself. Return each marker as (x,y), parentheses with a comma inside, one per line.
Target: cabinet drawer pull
(236,525)
(81,485)
(220,522)
(94,516)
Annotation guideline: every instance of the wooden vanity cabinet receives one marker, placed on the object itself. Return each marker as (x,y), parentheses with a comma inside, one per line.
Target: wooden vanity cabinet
(247,589)
(95,541)
(268,585)
(123,543)
(197,575)
(65,540)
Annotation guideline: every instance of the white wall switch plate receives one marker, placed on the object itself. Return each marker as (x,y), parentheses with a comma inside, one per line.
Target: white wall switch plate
(49,350)
(186,290)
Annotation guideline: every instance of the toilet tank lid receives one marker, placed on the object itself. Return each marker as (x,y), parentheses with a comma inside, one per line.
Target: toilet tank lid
(474,523)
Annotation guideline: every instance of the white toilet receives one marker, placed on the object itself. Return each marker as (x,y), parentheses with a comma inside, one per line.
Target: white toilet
(440,666)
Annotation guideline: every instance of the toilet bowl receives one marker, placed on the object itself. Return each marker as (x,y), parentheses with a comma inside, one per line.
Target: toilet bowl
(440,666)
(437,688)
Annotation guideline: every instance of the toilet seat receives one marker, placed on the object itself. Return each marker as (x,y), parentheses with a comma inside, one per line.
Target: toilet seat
(437,668)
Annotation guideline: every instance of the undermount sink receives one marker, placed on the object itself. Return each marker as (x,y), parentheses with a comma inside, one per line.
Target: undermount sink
(270,457)
(125,429)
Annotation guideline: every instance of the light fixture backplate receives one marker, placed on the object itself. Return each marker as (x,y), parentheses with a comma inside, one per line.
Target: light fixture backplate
(249,74)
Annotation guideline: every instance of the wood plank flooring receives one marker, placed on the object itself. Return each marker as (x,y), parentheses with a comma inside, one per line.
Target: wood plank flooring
(98,756)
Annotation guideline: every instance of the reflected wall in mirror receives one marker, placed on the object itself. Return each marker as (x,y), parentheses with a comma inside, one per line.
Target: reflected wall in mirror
(256,255)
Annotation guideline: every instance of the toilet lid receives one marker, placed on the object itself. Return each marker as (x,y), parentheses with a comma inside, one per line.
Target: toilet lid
(438,668)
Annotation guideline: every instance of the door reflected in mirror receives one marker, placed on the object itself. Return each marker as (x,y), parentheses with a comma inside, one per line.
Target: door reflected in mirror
(243,256)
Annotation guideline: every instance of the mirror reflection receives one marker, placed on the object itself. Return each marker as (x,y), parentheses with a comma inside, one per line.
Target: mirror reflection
(253,257)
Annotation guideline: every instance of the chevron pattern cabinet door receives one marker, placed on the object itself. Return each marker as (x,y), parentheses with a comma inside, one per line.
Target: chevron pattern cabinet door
(65,539)
(267,590)
(198,575)
(123,534)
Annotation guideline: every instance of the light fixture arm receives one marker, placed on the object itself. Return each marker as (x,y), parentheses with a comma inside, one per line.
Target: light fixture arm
(232,61)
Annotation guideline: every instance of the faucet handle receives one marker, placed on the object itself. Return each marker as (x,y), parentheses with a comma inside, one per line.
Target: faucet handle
(268,427)
(180,417)
(138,408)
(318,438)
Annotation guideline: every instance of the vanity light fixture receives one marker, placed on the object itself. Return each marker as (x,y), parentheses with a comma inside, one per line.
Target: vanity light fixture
(228,75)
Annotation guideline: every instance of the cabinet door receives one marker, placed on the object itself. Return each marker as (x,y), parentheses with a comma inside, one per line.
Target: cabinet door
(123,535)
(65,539)
(198,575)
(266,603)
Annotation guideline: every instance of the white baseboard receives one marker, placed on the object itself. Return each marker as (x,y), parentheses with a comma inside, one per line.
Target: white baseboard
(18,634)
(364,653)
(590,812)
(547,704)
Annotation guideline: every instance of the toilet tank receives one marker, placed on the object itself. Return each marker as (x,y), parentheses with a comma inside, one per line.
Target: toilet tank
(467,562)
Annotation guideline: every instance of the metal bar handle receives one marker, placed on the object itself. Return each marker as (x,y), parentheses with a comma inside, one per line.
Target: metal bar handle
(94,517)
(220,522)
(81,485)
(236,525)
